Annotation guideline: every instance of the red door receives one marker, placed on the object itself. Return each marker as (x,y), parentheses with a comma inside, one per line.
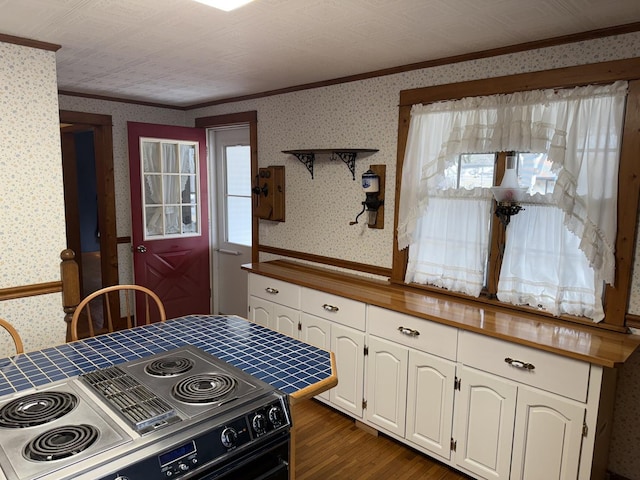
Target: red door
(169,208)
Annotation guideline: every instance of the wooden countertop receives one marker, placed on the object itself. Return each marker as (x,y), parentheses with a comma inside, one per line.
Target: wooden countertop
(600,347)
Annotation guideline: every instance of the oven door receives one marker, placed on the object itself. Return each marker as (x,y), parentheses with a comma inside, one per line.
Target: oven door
(270,461)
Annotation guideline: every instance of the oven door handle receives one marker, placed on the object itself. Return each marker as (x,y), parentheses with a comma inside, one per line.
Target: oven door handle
(282,467)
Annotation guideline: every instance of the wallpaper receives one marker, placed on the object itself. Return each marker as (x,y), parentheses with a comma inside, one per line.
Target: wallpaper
(32,233)
(364,114)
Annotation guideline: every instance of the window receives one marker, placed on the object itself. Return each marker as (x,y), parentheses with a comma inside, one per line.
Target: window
(573,137)
(238,196)
(170,183)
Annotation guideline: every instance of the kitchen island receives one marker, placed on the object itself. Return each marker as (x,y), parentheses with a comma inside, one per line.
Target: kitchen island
(295,368)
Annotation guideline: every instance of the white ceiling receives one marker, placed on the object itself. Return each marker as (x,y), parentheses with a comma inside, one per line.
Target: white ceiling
(179,52)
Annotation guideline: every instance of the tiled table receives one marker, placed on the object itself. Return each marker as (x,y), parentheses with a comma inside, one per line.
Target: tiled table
(294,367)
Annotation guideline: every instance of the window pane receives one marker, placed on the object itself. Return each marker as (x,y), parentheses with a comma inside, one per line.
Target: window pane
(170,198)
(151,156)
(239,220)
(170,158)
(472,170)
(534,172)
(238,170)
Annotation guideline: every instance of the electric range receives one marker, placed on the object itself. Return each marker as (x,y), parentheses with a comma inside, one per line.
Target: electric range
(178,414)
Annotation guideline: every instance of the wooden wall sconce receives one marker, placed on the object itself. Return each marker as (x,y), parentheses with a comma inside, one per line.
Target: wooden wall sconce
(269,194)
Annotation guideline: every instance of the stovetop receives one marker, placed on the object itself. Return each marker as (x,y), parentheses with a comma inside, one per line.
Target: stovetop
(75,425)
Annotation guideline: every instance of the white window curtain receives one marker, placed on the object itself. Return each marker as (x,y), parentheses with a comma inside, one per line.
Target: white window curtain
(453,250)
(579,129)
(543,266)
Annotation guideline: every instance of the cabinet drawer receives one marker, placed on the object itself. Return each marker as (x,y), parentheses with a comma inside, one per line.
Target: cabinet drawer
(551,372)
(335,308)
(274,290)
(431,337)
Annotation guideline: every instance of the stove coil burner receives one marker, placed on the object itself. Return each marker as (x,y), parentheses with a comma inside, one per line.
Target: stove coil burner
(36,409)
(61,442)
(204,388)
(169,366)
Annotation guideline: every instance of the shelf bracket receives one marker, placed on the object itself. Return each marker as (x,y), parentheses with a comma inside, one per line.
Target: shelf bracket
(307,158)
(347,155)
(349,158)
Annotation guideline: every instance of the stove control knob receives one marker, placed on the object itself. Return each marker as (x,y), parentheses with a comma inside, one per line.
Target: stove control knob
(183,467)
(229,437)
(276,416)
(259,423)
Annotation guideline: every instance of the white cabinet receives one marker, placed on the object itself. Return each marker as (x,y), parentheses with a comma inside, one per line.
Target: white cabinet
(346,329)
(488,407)
(260,311)
(387,385)
(409,391)
(274,304)
(316,331)
(286,320)
(484,420)
(430,392)
(347,344)
(548,436)
(508,427)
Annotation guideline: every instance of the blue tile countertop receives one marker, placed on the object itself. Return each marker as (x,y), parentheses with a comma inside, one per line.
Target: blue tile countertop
(294,367)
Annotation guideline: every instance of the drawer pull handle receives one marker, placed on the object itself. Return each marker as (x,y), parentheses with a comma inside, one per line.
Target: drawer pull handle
(272,291)
(409,331)
(330,308)
(519,364)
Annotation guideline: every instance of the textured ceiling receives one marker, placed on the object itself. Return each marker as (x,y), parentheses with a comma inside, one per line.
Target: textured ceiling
(179,52)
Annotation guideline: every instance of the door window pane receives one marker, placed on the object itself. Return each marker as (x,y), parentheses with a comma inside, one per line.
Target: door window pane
(239,220)
(238,197)
(170,183)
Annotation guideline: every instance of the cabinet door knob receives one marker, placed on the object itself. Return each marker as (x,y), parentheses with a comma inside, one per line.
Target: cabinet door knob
(330,308)
(408,331)
(519,364)
(273,291)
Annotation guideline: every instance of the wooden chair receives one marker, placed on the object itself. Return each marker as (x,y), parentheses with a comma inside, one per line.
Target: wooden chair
(14,334)
(107,294)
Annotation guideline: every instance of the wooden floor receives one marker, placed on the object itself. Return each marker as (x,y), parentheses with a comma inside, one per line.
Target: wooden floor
(330,446)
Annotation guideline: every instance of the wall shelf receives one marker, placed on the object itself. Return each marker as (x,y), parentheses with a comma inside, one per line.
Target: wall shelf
(347,155)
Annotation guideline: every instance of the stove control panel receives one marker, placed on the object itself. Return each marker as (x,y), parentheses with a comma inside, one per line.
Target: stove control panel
(268,419)
(218,443)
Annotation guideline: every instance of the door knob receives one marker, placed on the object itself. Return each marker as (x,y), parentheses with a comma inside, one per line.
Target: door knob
(141,248)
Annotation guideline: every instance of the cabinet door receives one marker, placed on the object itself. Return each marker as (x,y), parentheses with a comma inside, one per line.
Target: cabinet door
(261,311)
(484,424)
(387,385)
(430,402)
(285,320)
(316,331)
(547,437)
(347,345)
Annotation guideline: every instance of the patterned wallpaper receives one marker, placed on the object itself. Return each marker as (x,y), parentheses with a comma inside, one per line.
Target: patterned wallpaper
(32,233)
(363,114)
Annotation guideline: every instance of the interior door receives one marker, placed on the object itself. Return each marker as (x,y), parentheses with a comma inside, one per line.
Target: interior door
(169,208)
(232,166)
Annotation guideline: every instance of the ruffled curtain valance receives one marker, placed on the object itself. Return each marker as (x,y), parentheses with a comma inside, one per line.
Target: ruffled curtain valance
(579,129)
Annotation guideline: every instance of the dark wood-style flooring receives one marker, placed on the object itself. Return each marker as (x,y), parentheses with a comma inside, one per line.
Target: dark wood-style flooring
(330,446)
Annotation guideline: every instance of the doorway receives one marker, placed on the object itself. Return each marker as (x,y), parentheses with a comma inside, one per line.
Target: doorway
(89,197)
(230,164)
(248,120)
